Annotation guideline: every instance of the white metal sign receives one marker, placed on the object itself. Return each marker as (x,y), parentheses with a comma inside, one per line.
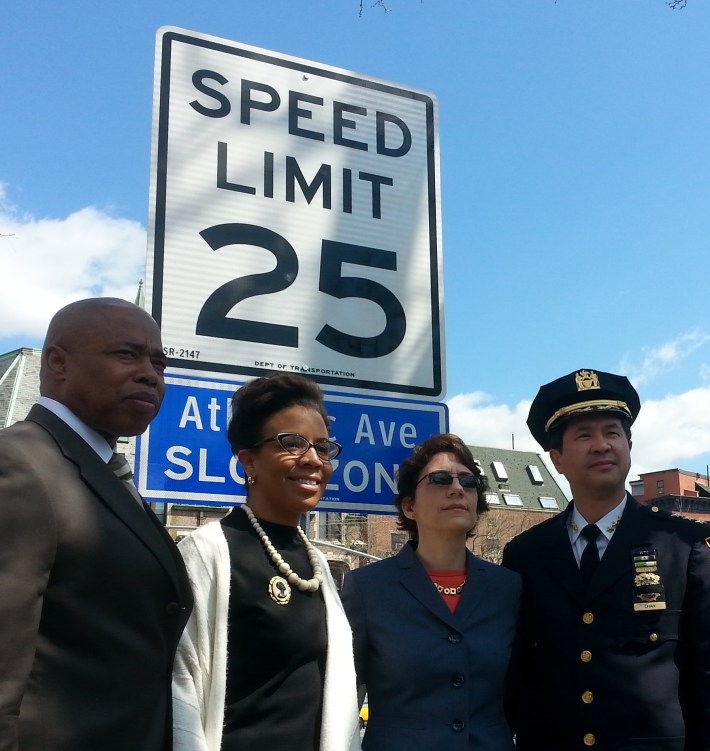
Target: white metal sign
(294,220)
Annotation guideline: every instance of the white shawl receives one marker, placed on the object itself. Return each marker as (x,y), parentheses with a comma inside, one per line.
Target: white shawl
(200,672)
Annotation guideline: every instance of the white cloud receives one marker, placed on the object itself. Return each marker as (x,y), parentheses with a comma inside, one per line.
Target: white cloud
(665,357)
(480,422)
(670,432)
(673,432)
(48,263)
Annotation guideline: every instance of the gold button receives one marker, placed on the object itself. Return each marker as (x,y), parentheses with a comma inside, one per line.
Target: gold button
(586,656)
(653,637)
(588,618)
(587,697)
(589,739)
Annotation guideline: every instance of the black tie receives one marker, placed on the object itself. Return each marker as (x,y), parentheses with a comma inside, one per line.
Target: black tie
(590,555)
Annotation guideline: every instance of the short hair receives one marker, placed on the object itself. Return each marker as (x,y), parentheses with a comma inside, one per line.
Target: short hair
(70,323)
(413,465)
(555,436)
(255,402)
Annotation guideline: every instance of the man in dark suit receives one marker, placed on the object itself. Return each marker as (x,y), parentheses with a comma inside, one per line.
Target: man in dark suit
(615,620)
(93,593)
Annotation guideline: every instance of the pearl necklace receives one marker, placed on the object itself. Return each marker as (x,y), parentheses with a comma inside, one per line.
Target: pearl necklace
(450,590)
(310,585)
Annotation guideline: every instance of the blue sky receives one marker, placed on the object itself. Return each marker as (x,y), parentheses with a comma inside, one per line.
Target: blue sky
(575,167)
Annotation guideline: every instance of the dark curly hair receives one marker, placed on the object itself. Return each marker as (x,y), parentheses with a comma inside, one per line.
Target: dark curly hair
(413,465)
(255,402)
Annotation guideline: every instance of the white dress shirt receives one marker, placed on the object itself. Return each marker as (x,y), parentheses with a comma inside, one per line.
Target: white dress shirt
(607,525)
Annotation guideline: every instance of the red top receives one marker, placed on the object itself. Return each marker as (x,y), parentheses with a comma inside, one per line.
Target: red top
(449,581)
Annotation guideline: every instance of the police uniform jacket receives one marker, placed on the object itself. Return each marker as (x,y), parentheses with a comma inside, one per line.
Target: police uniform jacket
(594,673)
(434,678)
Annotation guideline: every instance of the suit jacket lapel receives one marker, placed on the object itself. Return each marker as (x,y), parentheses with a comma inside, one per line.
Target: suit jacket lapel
(474,591)
(108,488)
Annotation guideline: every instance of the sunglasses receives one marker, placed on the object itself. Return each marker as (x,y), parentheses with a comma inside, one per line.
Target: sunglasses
(467,482)
(297,444)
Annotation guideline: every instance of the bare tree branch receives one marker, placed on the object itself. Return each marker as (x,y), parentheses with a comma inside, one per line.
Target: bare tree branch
(381,3)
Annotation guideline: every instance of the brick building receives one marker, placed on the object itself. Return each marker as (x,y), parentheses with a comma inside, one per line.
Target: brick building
(676,490)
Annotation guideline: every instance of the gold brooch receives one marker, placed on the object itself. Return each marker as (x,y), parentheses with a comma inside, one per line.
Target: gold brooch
(279,590)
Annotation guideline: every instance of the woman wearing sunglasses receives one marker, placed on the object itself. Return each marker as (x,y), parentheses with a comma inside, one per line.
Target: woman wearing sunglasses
(434,625)
(266,659)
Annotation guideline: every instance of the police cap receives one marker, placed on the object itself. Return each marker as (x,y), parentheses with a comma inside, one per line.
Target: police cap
(577,393)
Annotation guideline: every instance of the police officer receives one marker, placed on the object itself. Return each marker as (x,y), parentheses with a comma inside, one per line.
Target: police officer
(615,619)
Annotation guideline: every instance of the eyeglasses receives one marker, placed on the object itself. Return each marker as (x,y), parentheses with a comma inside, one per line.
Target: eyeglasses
(298,445)
(467,482)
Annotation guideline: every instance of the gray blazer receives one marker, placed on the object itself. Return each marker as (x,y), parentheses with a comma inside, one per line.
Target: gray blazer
(93,598)
(434,678)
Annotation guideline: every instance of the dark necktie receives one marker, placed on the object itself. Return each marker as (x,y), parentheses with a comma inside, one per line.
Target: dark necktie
(119,465)
(590,555)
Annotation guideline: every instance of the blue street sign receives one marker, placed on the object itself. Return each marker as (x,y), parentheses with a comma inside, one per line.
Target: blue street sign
(184,456)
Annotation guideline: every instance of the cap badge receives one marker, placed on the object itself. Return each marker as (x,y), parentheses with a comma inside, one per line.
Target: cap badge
(586,380)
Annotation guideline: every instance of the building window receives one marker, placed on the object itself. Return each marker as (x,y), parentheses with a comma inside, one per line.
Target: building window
(660,487)
(512,499)
(535,474)
(492,498)
(499,471)
(637,488)
(548,502)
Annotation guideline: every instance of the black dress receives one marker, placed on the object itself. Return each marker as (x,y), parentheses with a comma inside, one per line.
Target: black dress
(276,653)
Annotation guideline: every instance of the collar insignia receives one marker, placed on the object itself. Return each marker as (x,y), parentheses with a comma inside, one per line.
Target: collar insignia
(575,527)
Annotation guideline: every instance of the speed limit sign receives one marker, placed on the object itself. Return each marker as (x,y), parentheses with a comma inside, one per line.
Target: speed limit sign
(294,220)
